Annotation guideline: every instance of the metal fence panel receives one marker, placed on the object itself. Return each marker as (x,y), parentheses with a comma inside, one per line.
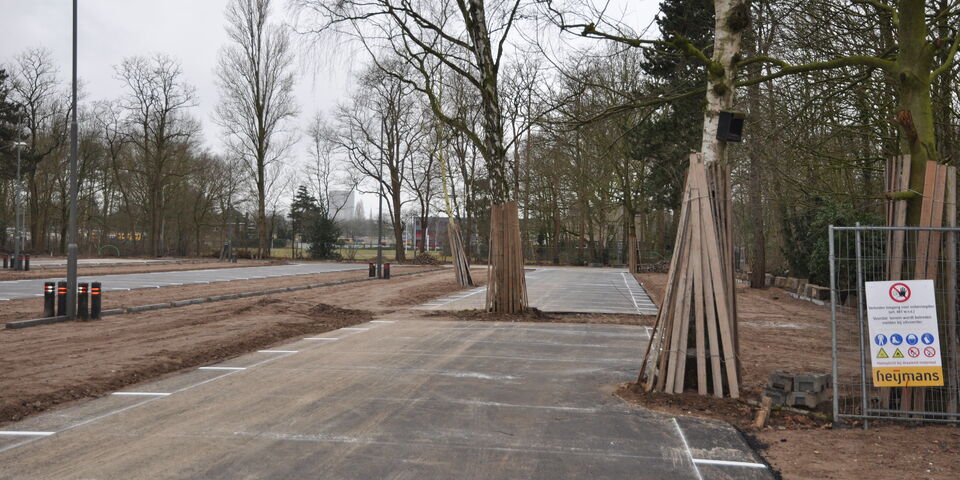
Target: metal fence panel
(864,254)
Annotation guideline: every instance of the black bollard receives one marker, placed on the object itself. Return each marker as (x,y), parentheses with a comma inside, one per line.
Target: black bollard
(373,270)
(95,300)
(49,298)
(61,298)
(386,271)
(82,311)
(26,262)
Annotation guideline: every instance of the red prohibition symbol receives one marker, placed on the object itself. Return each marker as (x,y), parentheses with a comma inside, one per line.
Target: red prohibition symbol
(929,352)
(914,352)
(900,292)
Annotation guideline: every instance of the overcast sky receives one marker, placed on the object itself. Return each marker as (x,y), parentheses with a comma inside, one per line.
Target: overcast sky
(190,31)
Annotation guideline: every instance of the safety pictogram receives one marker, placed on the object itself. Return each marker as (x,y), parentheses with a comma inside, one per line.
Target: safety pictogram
(914,352)
(900,292)
(883,354)
(929,352)
(898,354)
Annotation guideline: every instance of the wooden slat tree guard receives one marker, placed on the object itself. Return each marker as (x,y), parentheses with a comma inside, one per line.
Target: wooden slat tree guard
(938,208)
(505,230)
(699,293)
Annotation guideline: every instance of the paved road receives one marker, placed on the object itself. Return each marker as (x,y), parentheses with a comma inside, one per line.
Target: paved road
(34,288)
(568,290)
(96,261)
(401,400)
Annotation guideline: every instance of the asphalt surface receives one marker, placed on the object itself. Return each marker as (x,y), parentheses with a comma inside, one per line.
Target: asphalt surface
(398,400)
(96,261)
(568,290)
(12,289)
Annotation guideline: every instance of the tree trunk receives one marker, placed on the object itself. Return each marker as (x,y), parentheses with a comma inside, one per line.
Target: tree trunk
(261,211)
(915,118)
(399,250)
(732,17)
(507,292)
(758,257)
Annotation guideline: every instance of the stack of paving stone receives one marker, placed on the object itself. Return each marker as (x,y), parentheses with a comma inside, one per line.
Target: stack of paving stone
(798,390)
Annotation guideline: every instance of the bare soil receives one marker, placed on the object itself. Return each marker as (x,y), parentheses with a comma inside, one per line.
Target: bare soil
(778,332)
(27,308)
(56,364)
(199,264)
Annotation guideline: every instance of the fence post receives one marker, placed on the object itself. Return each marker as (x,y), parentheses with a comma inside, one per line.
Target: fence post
(863,365)
(833,325)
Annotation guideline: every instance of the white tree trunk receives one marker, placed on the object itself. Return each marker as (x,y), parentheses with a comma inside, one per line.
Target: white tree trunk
(730,14)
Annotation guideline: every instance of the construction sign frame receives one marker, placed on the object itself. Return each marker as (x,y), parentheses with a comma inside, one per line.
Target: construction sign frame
(894,320)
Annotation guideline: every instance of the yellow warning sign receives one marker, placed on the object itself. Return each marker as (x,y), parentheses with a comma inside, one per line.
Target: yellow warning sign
(883,354)
(898,354)
(908,377)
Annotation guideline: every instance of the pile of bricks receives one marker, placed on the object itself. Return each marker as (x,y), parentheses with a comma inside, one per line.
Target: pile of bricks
(798,390)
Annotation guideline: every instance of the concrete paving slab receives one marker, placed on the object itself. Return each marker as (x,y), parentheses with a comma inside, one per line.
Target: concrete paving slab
(411,399)
(32,288)
(567,290)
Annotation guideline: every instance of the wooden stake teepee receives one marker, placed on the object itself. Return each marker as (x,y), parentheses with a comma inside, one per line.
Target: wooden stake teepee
(698,314)
(461,265)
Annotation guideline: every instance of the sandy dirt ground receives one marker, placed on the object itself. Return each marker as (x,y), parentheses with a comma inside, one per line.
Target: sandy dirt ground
(779,332)
(52,365)
(27,308)
(188,264)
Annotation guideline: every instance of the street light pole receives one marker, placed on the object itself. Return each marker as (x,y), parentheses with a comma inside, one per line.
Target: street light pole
(380,213)
(18,213)
(72,227)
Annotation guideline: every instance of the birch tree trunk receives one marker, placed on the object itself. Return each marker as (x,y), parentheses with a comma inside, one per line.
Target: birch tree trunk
(507,291)
(732,17)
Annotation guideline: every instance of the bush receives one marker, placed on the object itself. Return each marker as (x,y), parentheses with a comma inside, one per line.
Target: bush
(805,230)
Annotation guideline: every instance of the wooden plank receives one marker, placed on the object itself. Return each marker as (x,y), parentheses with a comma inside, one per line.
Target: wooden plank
(765,406)
(950,274)
(895,254)
(652,355)
(698,306)
(926,211)
(713,340)
(711,239)
(936,220)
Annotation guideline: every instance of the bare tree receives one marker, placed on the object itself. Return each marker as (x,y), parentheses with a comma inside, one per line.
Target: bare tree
(325,168)
(469,38)
(158,127)
(255,74)
(381,132)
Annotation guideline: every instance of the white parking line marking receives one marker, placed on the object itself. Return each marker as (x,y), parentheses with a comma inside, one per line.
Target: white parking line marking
(379,321)
(686,446)
(322,338)
(278,351)
(143,394)
(355,329)
(728,463)
(23,432)
(222,368)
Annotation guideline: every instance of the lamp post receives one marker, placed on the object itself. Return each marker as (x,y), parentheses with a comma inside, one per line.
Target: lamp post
(72,226)
(380,212)
(18,211)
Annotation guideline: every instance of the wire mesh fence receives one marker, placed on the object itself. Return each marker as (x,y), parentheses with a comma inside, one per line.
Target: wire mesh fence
(861,255)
